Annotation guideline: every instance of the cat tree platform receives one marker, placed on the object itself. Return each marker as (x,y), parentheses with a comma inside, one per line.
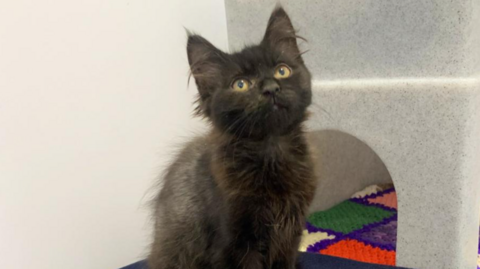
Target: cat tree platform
(396,94)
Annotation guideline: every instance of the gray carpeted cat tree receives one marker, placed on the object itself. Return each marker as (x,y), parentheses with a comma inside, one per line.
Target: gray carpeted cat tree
(403,77)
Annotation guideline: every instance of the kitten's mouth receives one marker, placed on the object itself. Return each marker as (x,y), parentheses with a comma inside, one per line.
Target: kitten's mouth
(276,104)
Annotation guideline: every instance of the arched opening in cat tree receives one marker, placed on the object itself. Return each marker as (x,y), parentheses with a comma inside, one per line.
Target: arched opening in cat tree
(354,212)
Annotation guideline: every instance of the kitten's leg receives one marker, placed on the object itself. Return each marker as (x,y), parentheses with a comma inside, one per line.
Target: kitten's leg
(286,250)
(179,246)
(245,249)
(288,261)
(244,256)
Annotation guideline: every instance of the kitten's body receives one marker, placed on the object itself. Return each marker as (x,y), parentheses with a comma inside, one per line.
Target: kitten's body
(190,223)
(237,198)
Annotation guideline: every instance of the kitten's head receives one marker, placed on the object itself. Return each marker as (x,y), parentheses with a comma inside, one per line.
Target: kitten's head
(259,91)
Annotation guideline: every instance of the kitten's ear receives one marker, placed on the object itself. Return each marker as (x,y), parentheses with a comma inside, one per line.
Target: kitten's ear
(281,35)
(205,64)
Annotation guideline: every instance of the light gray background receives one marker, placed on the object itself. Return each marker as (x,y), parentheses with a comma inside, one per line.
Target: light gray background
(351,39)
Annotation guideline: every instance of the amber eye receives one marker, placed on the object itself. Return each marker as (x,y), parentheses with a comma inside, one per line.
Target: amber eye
(282,71)
(241,85)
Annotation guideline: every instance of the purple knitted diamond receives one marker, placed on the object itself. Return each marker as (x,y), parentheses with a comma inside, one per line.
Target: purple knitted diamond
(383,235)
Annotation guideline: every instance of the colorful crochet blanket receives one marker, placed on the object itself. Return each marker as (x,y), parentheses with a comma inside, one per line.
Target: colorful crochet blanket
(363,228)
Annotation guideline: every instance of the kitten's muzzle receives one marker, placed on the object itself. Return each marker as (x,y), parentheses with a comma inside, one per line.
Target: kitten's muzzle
(270,88)
(270,91)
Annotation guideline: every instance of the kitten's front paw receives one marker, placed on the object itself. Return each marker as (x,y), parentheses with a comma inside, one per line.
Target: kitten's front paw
(285,264)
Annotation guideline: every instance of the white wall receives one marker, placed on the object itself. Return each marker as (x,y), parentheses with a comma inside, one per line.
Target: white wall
(92,96)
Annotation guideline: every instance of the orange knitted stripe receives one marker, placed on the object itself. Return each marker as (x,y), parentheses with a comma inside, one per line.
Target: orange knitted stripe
(355,250)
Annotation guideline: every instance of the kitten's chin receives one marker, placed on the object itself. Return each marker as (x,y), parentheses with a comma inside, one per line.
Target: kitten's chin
(277,107)
(276,104)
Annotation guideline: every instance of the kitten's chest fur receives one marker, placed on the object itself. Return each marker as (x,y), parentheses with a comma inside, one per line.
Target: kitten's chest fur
(275,171)
(267,186)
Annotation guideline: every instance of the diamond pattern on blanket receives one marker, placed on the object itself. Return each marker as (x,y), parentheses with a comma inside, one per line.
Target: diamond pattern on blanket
(359,251)
(363,228)
(310,238)
(388,200)
(348,216)
(383,235)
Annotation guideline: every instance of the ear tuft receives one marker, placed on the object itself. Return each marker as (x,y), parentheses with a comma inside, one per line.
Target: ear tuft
(206,63)
(280,33)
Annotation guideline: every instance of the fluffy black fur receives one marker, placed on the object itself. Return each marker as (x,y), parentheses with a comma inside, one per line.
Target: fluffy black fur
(237,198)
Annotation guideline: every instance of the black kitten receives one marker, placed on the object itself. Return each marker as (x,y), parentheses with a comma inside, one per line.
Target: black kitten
(237,198)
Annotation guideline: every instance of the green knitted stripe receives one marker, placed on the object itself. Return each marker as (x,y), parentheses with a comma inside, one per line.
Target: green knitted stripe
(348,216)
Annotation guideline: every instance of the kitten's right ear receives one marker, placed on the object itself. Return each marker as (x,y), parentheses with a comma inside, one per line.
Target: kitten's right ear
(205,64)
(281,35)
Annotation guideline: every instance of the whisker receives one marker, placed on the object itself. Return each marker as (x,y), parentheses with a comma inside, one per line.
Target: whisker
(324,110)
(301,53)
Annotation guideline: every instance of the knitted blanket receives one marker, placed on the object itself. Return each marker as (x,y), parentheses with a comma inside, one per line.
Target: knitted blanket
(363,228)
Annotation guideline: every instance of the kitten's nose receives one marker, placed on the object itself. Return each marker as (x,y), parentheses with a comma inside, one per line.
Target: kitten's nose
(270,87)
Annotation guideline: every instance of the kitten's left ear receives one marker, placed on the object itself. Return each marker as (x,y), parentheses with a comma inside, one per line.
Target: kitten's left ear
(281,35)
(206,63)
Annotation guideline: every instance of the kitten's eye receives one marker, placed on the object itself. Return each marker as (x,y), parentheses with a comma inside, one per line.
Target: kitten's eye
(241,85)
(282,71)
